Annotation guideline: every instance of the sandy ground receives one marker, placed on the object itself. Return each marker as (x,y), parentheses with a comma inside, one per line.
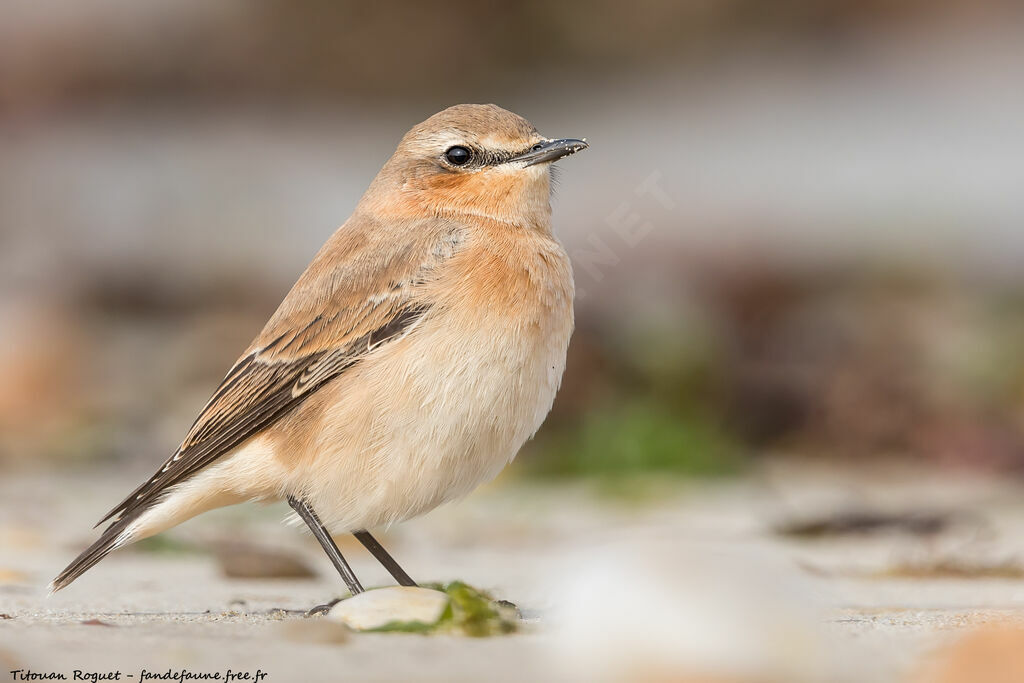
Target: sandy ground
(600,581)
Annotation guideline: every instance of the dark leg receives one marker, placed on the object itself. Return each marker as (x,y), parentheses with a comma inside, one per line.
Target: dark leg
(327,543)
(384,558)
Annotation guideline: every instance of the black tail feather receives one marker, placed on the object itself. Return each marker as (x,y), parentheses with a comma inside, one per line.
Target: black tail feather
(93,554)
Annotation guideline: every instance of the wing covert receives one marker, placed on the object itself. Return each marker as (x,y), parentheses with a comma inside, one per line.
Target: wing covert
(350,301)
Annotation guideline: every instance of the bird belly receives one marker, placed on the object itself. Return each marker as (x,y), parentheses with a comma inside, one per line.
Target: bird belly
(434,416)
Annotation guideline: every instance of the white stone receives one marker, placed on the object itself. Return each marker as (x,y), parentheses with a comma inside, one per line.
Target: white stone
(375,608)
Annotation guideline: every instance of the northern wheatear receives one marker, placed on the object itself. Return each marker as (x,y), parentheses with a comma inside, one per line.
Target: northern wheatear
(416,354)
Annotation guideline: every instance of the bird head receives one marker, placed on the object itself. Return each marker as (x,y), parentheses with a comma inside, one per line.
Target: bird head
(476,160)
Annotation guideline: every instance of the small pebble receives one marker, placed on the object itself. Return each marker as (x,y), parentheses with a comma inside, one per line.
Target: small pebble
(380,607)
(243,561)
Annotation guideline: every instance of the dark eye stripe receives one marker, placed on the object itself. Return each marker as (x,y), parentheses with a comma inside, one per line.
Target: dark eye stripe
(461,155)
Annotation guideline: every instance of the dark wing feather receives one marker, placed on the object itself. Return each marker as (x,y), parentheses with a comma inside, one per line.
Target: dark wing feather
(253,396)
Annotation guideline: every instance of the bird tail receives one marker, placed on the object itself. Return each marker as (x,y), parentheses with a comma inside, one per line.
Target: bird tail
(112,538)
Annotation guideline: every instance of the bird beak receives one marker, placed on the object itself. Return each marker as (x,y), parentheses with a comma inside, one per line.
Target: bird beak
(550,150)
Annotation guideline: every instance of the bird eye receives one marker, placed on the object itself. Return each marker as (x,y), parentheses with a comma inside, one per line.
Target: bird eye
(458,155)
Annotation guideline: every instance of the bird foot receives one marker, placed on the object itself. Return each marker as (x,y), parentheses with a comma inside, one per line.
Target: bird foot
(322,609)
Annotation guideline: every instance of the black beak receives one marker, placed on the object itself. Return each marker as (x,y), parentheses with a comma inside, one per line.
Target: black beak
(550,150)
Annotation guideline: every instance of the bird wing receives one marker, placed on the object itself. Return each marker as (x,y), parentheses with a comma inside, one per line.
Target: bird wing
(361,290)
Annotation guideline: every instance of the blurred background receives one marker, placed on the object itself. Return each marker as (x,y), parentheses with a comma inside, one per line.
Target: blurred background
(797,231)
(796,234)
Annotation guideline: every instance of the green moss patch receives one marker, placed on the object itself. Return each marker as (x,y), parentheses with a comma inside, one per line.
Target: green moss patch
(470,612)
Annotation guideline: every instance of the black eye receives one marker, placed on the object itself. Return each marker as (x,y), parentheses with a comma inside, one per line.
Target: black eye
(458,156)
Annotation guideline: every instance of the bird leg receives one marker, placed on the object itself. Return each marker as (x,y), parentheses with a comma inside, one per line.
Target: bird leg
(308,516)
(377,550)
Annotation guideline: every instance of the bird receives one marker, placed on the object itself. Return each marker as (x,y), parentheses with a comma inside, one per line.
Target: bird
(419,350)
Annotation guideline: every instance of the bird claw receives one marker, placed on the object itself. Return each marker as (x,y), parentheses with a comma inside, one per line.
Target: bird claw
(322,609)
